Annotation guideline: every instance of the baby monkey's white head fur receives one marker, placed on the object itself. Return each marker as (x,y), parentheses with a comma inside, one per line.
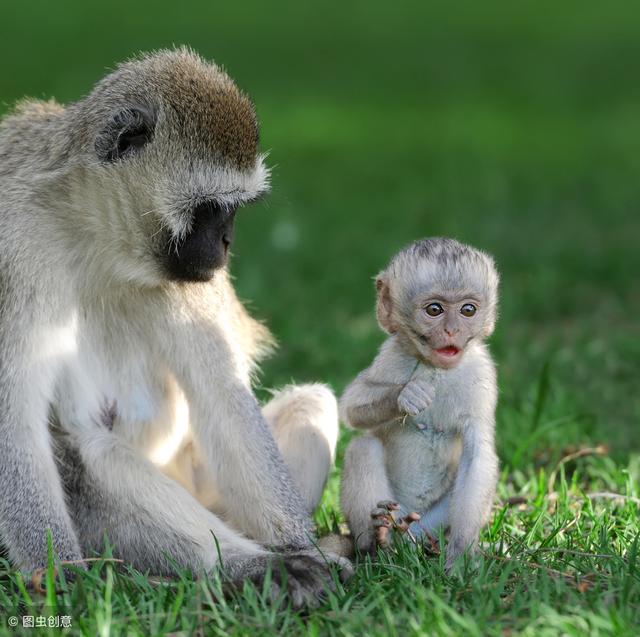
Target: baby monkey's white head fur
(438,296)
(155,162)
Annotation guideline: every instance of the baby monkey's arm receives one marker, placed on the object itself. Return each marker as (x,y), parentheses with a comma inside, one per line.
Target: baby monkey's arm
(385,391)
(474,489)
(367,403)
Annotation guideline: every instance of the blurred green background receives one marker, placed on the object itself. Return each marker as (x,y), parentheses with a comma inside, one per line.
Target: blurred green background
(514,126)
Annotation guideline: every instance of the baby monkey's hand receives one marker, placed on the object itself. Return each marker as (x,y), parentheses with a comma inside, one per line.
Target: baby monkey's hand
(415,396)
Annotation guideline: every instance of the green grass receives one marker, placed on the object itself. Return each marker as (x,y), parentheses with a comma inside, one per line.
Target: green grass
(515,127)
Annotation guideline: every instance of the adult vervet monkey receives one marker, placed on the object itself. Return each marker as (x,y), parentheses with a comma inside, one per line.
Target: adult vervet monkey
(125,356)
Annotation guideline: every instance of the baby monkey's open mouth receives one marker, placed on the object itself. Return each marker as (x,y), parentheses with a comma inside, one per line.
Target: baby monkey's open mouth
(449,351)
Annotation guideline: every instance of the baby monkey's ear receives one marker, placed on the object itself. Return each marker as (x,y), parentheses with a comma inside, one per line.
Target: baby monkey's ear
(384,306)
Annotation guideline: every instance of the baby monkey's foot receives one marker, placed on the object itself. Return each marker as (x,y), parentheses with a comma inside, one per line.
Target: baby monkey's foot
(387,519)
(431,544)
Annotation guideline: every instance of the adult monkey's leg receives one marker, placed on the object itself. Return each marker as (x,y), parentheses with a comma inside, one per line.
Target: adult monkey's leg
(150,521)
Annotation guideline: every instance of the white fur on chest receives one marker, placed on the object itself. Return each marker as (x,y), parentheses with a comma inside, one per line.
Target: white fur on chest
(122,390)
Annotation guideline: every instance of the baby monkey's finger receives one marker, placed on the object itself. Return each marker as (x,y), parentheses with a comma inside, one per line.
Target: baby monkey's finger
(382,537)
(402,525)
(382,522)
(390,505)
(432,544)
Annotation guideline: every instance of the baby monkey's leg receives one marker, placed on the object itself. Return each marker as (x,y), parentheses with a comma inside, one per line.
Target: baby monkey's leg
(432,521)
(364,484)
(436,517)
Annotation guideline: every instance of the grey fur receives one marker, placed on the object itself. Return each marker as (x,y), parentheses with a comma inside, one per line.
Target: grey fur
(97,342)
(429,415)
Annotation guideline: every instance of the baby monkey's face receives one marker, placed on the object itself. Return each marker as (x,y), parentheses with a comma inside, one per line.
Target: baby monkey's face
(443,324)
(438,296)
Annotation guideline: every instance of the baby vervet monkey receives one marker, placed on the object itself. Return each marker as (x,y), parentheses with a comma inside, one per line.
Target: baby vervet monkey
(428,460)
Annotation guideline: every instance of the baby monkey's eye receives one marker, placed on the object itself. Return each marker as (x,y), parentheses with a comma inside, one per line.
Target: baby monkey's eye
(434,309)
(468,309)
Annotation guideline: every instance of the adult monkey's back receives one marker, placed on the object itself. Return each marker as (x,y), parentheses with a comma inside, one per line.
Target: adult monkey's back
(125,356)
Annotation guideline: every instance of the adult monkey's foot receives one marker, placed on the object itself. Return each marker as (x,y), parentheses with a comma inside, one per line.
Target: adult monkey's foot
(387,519)
(303,576)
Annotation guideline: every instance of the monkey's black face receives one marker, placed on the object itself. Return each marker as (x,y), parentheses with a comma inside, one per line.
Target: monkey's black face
(173,150)
(204,248)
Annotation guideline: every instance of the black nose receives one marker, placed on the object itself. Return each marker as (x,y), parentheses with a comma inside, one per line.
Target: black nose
(205,248)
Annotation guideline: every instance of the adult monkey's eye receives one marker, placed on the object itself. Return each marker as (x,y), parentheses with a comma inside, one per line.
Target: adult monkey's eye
(468,309)
(434,309)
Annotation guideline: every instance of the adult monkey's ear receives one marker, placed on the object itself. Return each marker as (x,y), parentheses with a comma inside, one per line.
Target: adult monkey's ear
(126,132)
(384,305)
